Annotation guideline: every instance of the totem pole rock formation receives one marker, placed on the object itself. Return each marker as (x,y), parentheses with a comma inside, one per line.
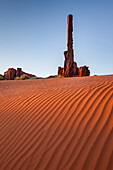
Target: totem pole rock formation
(70,68)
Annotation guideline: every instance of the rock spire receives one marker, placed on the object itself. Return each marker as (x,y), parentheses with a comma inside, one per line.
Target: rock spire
(70,68)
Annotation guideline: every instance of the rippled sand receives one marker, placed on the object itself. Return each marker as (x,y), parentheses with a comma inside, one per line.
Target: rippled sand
(60,123)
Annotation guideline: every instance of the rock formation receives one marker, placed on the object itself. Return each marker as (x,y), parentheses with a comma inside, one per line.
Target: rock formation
(19,72)
(1,75)
(61,71)
(70,68)
(83,71)
(11,73)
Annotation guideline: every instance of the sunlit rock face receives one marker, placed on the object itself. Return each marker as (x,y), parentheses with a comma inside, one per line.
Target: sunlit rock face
(61,71)
(10,74)
(83,71)
(70,67)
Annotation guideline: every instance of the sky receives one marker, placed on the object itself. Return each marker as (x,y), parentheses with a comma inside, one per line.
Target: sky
(33,35)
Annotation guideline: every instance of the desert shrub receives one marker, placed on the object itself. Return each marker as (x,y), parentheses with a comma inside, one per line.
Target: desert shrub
(1,78)
(35,78)
(24,76)
(17,78)
(59,76)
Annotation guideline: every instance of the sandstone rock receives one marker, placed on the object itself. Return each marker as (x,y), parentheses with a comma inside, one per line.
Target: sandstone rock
(69,57)
(51,76)
(70,67)
(75,69)
(1,75)
(61,71)
(83,71)
(10,74)
(19,72)
(30,75)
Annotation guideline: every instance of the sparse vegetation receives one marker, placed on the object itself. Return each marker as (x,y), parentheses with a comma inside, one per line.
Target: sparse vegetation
(1,78)
(17,78)
(35,78)
(59,76)
(24,76)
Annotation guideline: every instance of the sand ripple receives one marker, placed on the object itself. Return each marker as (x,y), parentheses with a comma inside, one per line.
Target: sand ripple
(57,124)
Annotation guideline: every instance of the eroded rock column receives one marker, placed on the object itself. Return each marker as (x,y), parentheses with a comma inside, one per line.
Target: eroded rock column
(69,57)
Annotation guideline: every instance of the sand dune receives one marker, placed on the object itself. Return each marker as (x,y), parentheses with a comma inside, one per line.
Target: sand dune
(57,124)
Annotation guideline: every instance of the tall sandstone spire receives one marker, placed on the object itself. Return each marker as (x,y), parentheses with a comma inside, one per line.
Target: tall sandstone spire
(70,67)
(69,32)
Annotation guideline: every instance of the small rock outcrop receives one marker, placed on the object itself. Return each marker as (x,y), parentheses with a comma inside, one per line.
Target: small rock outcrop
(60,71)
(70,68)
(12,73)
(83,71)
(1,75)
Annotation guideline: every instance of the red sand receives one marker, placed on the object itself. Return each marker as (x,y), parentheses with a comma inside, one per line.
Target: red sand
(60,123)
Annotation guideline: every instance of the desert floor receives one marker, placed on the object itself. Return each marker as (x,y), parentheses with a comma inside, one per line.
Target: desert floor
(60,123)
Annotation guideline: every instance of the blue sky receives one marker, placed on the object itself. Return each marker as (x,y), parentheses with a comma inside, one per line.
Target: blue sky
(33,35)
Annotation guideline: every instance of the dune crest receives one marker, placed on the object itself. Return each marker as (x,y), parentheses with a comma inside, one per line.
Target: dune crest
(60,123)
